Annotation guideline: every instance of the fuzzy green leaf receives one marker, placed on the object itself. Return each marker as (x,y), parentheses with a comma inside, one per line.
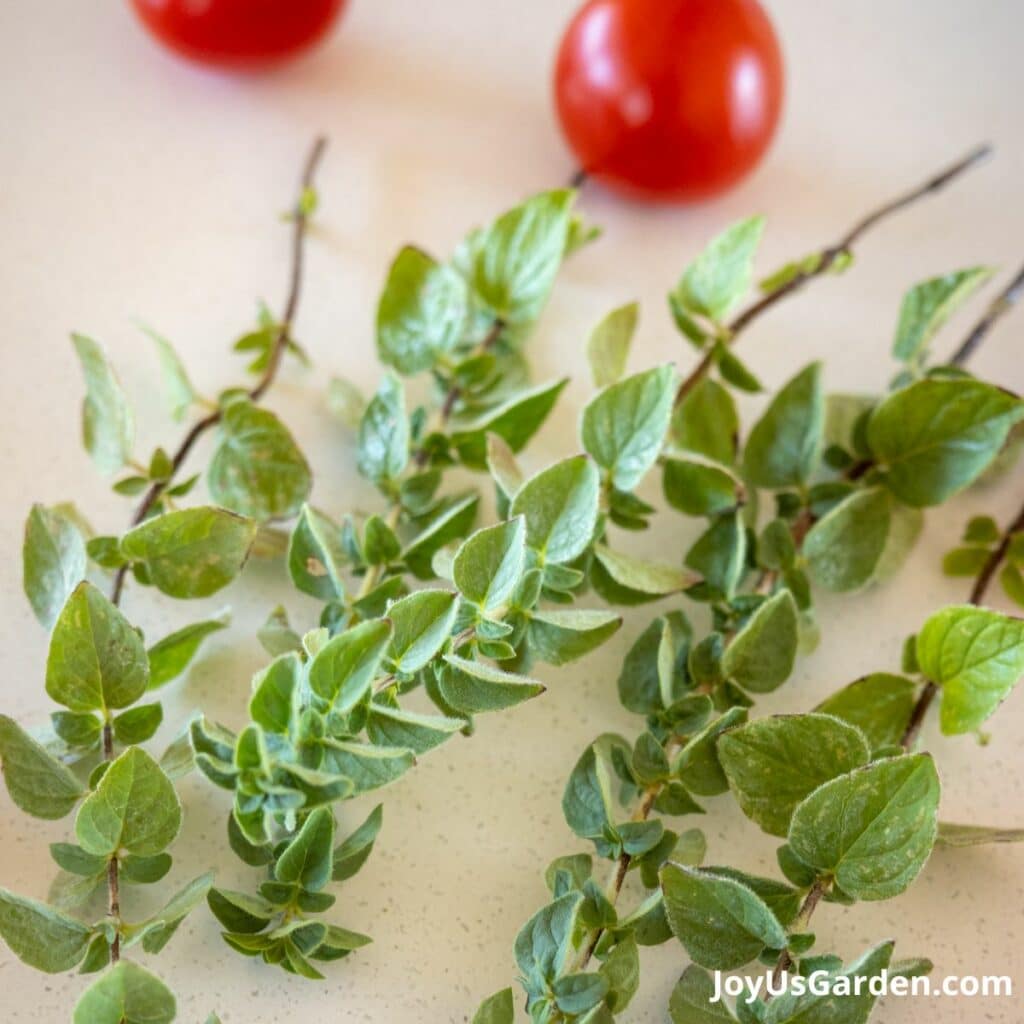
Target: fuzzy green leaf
(639,574)
(41,936)
(761,655)
(472,687)
(138,724)
(544,943)
(169,657)
(422,624)
(772,764)
(155,932)
(126,994)
(343,669)
(719,555)
(693,1001)
(587,801)
(391,727)
(53,561)
(879,705)
(352,854)
(307,859)
(559,637)
(96,658)
(721,274)
(39,784)
(193,552)
(624,426)
(367,765)
(872,829)
(608,344)
(706,422)
(315,556)
(274,692)
(384,434)
(697,765)
(454,522)
(843,549)
(698,489)
(496,1009)
(976,656)
(108,426)
(490,563)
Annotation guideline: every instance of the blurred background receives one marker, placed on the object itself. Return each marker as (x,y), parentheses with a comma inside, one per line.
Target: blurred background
(137,186)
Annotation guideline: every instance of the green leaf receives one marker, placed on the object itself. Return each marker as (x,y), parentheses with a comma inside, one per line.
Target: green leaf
(169,657)
(872,829)
(454,522)
(126,994)
(587,801)
(624,426)
(608,344)
(559,505)
(80,731)
(352,854)
(422,624)
(490,563)
(559,637)
(928,305)
(879,705)
(496,1009)
(40,936)
(844,547)
(544,943)
(179,394)
(621,969)
(274,692)
(39,784)
(976,657)
(719,555)
(96,658)
(473,687)
(368,766)
(512,264)
(720,922)
(761,656)
(966,562)
(421,314)
(315,556)
(73,859)
(392,727)
(976,835)
(384,434)
(241,912)
(193,552)
(307,859)
(515,421)
(639,574)
(785,443)
(693,1000)
(697,765)
(578,993)
(138,724)
(134,808)
(345,402)
(276,636)
(53,560)
(935,437)
(343,669)
(720,276)
(257,468)
(773,763)
(145,870)
(158,930)
(698,489)
(706,422)
(108,426)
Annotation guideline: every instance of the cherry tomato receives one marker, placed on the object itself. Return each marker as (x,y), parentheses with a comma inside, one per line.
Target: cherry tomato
(238,33)
(669,99)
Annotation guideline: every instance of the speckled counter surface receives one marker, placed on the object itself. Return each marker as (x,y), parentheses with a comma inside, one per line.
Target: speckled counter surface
(134,186)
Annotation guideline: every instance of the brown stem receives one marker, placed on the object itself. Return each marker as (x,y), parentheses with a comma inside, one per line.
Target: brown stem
(300,222)
(814,896)
(981,584)
(1002,305)
(113,878)
(829,254)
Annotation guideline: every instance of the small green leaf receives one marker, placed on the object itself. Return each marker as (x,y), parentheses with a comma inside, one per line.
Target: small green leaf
(761,655)
(976,657)
(193,552)
(706,422)
(422,625)
(721,923)
(343,669)
(621,969)
(843,548)
(608,344)
(693,1000)
(879,705)
(352,854)
(490,563)
(40,936)
(872,829)
(307,859)
(158,930)
(392,727)
(473,687)
(624,426)
(169,657)
(384,434)
(315,556)
(257,468)
(966,562)
(641,575)
(935,437)
(496,1009)
(179,394)
(145,870)
(39,784)
(453,522)
(578,993)
(126,994)
(138,724)
(274,691)
(108,426)
(368,766)
(345,402)
(785,443)
(559,637)
(719,555)
(421,314)
(544,943)
(134,808)
(241,912)
(53,560)
(699,489)
(773,763)
(587,802)
(928,305)
(697,765)
(720,276)
(559,505)
(96,658)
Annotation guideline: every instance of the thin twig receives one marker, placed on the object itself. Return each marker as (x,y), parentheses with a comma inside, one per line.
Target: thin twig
(1002,305)
(829,254)
(814,896)
(578,178)
(981,584)
(300,222)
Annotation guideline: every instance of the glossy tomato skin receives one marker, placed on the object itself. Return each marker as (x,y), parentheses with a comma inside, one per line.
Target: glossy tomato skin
(669,99)
(238,33)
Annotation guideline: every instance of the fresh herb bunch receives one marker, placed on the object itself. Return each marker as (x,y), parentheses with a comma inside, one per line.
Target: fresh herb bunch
(845,479)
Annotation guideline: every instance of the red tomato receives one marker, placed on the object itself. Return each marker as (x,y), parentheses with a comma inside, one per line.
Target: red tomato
(238,33)
(672,99)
